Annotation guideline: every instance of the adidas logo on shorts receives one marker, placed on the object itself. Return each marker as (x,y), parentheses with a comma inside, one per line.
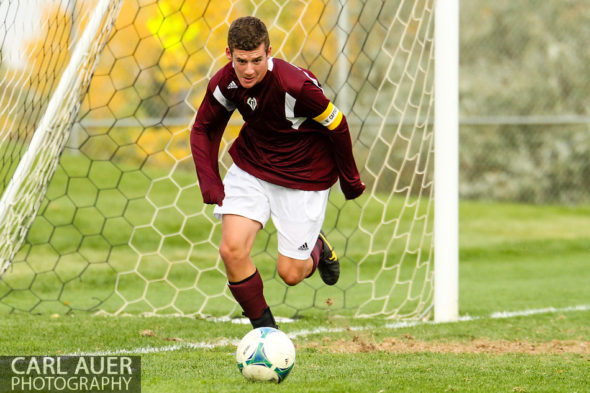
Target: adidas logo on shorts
(303,247)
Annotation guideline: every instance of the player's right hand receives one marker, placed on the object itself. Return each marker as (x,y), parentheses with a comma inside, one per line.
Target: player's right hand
(213,196)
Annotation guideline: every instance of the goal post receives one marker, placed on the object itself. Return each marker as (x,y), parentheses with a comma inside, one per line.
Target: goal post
(446,163)
(122,229)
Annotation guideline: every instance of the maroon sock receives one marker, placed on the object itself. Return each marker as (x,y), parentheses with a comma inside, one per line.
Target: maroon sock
(315,256)
(249,294)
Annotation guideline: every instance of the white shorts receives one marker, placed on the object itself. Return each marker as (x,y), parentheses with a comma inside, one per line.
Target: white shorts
(298,215)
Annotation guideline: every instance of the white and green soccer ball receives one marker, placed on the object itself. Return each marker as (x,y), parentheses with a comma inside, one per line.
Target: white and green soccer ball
(265,354)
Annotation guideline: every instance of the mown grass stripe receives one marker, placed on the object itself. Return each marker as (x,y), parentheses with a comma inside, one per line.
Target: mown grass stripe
(307,332)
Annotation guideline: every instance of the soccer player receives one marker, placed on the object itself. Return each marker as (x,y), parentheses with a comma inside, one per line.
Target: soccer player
(292,148)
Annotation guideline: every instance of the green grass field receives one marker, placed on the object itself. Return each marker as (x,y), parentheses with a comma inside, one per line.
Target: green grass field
(513,258)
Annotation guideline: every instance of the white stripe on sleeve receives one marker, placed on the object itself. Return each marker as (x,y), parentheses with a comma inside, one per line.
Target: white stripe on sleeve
(290,102)
(227,104)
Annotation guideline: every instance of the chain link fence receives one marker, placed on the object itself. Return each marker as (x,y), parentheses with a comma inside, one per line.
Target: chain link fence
(525,101)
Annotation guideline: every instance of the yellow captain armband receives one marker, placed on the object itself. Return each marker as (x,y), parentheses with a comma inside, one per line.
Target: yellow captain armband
(329,118)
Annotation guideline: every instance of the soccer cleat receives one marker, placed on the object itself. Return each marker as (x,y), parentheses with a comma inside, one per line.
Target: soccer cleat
(266,320)
(328,265)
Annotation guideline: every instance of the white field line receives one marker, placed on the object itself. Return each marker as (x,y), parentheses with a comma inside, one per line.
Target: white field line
(306,332)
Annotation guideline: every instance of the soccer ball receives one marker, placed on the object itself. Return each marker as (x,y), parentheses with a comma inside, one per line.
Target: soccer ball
(265,354)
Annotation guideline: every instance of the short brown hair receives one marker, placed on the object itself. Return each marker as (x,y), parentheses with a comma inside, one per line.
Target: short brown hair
(247,33)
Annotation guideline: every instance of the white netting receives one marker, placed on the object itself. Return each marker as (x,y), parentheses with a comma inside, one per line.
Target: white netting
(58,55)
(123,228)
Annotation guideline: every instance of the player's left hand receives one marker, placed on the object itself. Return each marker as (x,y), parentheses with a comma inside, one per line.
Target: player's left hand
(352,191)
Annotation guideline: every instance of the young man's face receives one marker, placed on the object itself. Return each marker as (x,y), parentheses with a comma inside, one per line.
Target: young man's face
(250,66)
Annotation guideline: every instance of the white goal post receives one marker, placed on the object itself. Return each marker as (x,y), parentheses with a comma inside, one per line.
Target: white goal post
(446,161)
(121,227)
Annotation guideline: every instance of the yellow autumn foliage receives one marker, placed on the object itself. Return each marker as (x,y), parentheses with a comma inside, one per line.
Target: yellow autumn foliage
(161,55)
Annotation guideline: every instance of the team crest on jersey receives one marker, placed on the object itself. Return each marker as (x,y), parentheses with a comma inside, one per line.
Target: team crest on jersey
(251,101)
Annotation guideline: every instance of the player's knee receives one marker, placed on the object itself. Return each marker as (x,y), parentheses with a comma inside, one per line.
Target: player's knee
(290,276)
(232,253)
(291,279)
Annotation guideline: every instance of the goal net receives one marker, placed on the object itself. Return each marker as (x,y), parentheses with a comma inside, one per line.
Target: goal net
(46,65)
(121,227)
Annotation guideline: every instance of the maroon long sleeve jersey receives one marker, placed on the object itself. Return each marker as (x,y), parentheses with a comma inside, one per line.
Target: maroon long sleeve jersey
(292,136)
